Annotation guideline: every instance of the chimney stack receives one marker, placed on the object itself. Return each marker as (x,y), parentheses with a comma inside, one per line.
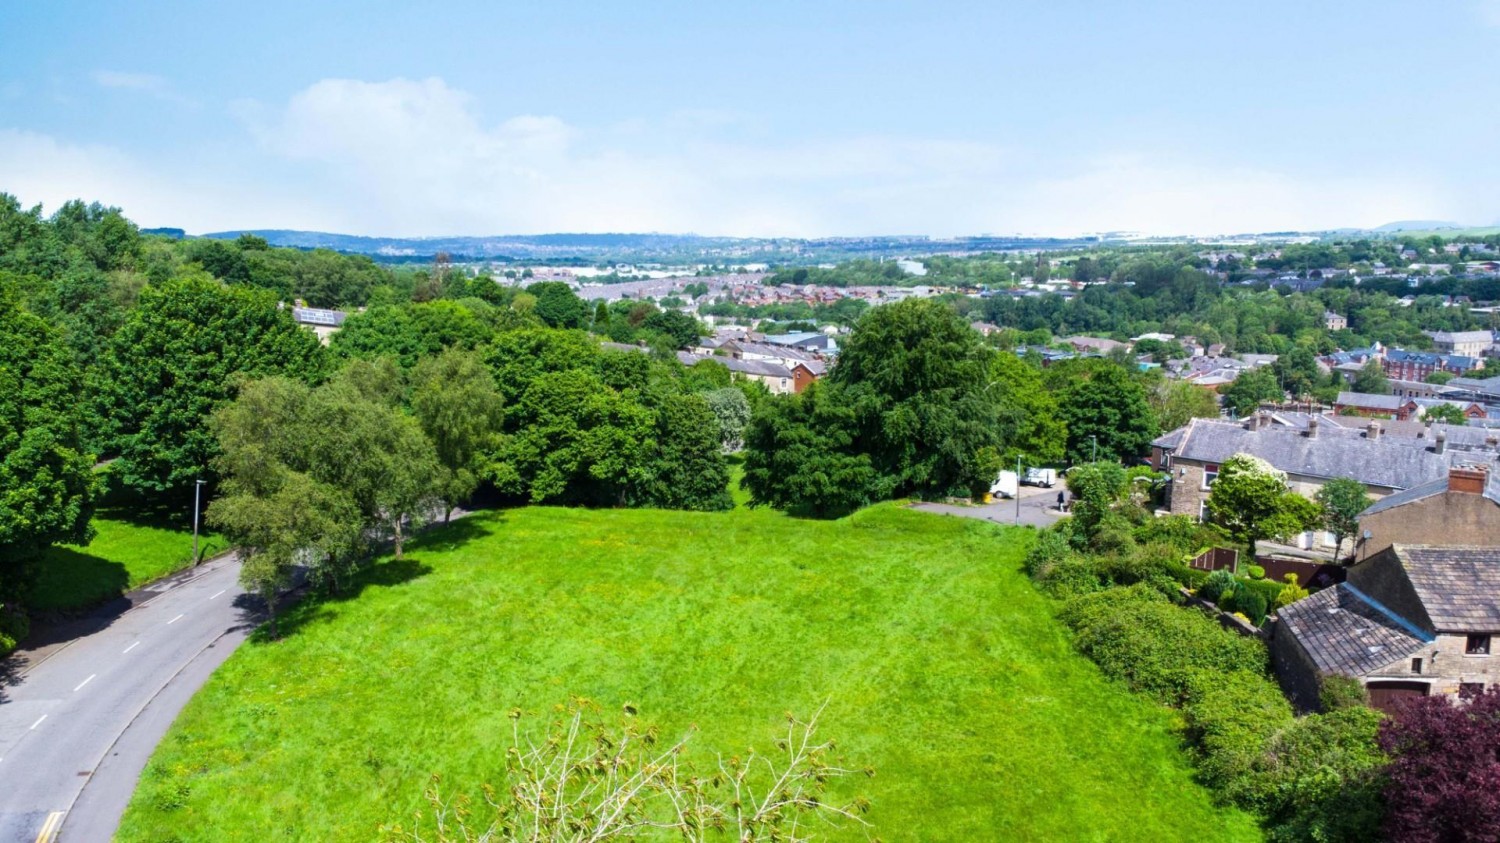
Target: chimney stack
(1441,442)
(1469,481)
(1312,427)
(1372,431)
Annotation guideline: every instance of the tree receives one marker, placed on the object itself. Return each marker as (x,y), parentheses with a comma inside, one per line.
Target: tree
(1175,402)
(916,378)
(47,485)
(1101,403)
(1446,414)
(680,327)
(281,522)
(732,411)
(460,410)
(617,783)
(1440,377)
(177,359)
(1028,420)
(1371,379)
(1342,500)
(558,306)
(1444,778)
(800,456)
(1250,500)
(1246,393)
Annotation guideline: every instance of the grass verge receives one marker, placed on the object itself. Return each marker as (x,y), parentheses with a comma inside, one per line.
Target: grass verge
(127,551)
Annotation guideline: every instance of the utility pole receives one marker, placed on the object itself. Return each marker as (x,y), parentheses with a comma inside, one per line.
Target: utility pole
(1095,440)
(197,495)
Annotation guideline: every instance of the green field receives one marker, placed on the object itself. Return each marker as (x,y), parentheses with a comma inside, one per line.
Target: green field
(942,668)
(127,551)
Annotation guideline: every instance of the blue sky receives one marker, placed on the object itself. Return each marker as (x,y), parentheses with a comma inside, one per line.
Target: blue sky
(770,118)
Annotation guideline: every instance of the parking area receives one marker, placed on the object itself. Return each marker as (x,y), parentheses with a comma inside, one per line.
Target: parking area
(1038,508)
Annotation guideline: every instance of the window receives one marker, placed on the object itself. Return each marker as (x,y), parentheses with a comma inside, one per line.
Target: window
(1210,473)
(1470,690)
(1416,665)
(1477,645)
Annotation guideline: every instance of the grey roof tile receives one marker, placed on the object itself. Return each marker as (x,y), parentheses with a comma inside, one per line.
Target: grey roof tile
(1345,632)
(1458,586)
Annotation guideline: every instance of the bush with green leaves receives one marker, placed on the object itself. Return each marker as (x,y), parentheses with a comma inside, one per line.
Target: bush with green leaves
(1267,590)
(1230,716)
(1336,691)
(1218,583)
(1051,547)
(1255,572)
(1246,601)
(1136,635)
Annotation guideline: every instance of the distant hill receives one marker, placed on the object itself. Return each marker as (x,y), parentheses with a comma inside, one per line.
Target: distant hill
(1416,225)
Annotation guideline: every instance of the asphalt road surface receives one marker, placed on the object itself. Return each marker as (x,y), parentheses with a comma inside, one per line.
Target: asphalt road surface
(80,716)
(1038,508)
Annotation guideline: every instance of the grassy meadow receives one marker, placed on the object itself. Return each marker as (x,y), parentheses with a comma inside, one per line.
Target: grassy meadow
(127,551)
(940,665)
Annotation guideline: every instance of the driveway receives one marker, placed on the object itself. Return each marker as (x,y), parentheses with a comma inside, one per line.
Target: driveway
(1038,508)
(80,716)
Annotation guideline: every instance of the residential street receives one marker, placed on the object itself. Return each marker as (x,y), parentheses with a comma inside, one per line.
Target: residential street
(80,717)
(1038,508)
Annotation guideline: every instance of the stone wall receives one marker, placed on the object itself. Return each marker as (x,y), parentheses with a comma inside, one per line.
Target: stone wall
(1295,671)
(1452,518)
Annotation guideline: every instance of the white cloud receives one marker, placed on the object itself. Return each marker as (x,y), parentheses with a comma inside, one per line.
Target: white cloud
(145,83)
(407,157)
(38,168)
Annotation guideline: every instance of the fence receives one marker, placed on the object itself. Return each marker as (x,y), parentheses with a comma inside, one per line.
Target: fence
(1215,559)
(1310,575)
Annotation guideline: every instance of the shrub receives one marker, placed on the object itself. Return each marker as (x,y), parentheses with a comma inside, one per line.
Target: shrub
(1137,636)
(1337,692)
(1246,602)
(1230,716)
(1071,577)
(1216,585)
(1190,577)
(1184,533)
(1290,593)
(1267,590)
(1321,778)
(14,626)
(1444,769)
(1256,572)
(1051,548)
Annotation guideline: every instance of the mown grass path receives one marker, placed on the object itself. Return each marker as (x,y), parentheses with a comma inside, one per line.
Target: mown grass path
(941,666)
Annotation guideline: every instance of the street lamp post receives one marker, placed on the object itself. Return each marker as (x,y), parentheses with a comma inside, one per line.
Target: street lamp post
(197,493)
(1018,488)
(1095,440)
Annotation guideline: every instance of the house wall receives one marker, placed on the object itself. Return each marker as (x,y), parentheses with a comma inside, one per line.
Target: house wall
(1295,671)
(1444,666)
(1453,518)
(1384,579)
(1187,495)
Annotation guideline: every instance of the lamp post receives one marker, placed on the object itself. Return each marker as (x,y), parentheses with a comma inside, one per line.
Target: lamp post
(197,493)
(1095,440)
(1018,488)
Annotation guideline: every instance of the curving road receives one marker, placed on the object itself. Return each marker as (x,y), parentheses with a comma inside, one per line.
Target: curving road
(80,717)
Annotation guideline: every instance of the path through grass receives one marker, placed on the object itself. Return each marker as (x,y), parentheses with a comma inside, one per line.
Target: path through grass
(941,666)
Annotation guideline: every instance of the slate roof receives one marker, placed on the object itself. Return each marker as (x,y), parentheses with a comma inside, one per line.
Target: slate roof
(1459,336)
(1431,358)
(1376,463)
(761,368)
(319,316)
(1346,632)
(1372,400)
(1458,586)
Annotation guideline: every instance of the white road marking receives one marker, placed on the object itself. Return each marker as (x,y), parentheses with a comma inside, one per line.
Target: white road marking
(175,620)
(38,721)
(50,827)
(131,647)
(216,595)
(85,682)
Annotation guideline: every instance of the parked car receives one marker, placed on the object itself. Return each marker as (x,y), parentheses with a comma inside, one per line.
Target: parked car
(1045,477)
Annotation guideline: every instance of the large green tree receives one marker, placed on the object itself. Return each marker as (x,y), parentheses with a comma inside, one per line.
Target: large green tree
(47,485)
(1105,408)
(1342,499)
(455,400)
(177,359)
(800,456)
(1244,395)
(1250,500)
(558,306)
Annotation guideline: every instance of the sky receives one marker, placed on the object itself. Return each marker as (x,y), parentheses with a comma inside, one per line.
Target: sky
(802,119)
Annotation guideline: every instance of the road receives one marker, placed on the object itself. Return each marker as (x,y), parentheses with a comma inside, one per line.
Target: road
(1038,508)
(79,717)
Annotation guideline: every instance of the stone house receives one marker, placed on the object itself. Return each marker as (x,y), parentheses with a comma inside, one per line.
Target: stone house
(1414,620)
(1310,457)
(1333,321)
(1462,508)
(1466,343)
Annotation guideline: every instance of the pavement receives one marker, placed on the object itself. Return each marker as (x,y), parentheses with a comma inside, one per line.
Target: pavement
(84,706)
(1038,508)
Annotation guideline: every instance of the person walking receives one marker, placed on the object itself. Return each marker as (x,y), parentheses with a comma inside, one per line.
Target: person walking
(1060,502)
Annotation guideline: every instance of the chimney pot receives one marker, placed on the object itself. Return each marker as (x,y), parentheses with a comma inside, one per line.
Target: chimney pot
(1372,431)
(1312,427)
(1441,441)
